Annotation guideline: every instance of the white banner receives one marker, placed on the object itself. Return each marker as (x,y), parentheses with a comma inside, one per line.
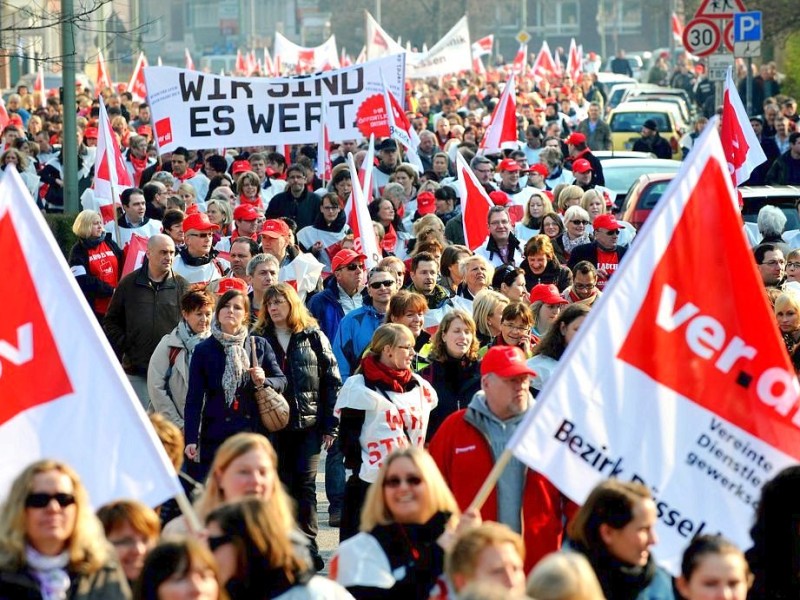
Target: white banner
(198,110)
(685,388)
(297,59)
(451,54)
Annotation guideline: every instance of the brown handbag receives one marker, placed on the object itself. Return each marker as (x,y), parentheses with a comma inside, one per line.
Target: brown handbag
(272,406)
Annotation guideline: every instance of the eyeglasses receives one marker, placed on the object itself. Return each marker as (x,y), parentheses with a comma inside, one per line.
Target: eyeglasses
(216,541)
(584,223)
(406,348)
(42,500)
(376,285)
(793,265)
(613,232)
(774,263)
(277,302)
(128,542)
(330,208)
(517,328)
(396,482)
(354,267)
(202,235)
(584,286)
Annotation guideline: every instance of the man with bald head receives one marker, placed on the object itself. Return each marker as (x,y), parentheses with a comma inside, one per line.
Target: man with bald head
(144,308)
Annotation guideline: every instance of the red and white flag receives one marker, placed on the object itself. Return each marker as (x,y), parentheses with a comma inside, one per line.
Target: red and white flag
(252,64)
(475,205)
(324,163)
(103,80)
(4,118)
(38,86)
(666,385)
(574,61)
(677,29)
(544,67)
(483,46)
(302,274)
(189,61)
(111,177)
(357,212)
(134,254)
(520,60)
(502,128)
(241,66)
(137,85)
(55,365)
(739,142)
(400,128)
(269,65)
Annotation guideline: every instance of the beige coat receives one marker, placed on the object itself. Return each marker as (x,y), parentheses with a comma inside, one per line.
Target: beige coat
(171,408)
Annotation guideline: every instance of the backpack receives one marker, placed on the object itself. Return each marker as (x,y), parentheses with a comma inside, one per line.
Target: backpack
(173,355)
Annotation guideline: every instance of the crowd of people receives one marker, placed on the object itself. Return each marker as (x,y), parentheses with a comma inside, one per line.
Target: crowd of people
(411,375)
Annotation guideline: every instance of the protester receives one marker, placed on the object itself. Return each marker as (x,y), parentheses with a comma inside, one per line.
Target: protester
(476,273)
(312,384)
(713,565)
(95,261)
(541,265)
(614,530)
(409,308)
(787,314)
(531,224)
(575,220)
(564,576)
(553,227)
(510,281)
(407,523)
(324,236)
(603,252)
(382,394)
(501,247)
(179,569)
(546,305)
(450,273)
(487,310)
(220,401)
(168,372)
(132,528)
(51,545)
(552,345)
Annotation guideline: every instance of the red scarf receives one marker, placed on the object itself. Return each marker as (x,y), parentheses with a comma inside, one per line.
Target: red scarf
(389,243)
(255,202)
(139,165)
(393,379)
(187,175)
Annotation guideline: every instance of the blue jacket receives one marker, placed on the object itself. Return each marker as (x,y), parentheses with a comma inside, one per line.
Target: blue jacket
(326,309)
(354,335)
(209,420)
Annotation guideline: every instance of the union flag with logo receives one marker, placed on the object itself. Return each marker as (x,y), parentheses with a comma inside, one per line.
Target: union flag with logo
(678,378)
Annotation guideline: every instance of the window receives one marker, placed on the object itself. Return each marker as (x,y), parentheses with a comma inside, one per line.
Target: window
(621,16)
(555,17)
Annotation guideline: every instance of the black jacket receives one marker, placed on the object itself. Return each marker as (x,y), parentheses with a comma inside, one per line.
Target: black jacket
(313,380)
(555,273)
(455,382)
(655,144)
(91,286)
(589,252)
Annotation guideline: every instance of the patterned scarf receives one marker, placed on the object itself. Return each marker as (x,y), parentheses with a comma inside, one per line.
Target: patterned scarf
(236,360)
(189,338)
(570,245)
(50,572)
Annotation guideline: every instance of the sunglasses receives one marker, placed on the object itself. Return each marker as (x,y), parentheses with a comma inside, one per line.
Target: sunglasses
(584,223)
(216,541)
(43,500)
(376,285)
(354,267)
(396,482)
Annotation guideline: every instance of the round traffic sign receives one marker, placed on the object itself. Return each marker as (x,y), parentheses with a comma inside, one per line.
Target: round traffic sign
(727,36)
(523,37)
(701,37)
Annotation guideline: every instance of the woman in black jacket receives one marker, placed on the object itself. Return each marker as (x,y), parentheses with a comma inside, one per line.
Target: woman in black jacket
(313,383)
(95,260)
(541,265)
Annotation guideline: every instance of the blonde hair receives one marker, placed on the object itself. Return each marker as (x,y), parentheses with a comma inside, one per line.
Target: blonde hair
(82,226)
(590,195)
(439,349)
(438,495)
(389,334)
(231,449)
(86,547)
(463,555)
(547,206)
(299,318)
(170,437)
(485,303)
(564,576)
(426,221)
(224,207)
(787,300)
(187,188)
(464,263)
(22,160)
(570,192)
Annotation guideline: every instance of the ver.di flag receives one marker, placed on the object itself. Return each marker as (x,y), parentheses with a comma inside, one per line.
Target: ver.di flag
(685,387)
(63,394)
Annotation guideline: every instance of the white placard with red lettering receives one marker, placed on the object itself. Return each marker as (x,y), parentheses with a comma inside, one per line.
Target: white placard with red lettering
(683,385)
(200,110)
(294,58)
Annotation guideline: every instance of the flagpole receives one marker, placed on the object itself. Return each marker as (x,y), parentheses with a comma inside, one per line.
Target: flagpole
(192,520)
(490,482)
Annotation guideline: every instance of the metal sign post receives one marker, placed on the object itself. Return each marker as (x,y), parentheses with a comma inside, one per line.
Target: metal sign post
(747,37)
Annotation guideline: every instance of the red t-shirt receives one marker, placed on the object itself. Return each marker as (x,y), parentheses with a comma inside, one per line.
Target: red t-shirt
(607,262)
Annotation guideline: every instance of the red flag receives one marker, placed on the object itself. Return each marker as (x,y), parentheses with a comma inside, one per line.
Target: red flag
(134,254)
(544,67)
(52,347)
(103,80)
(111,176)
(475,205)
(520,60)
(38,86)
(400,128)
(574,61)
(483,46)
(137,85)
(189,61)
(357,213)
(677,29)
(269,65)
(741,146)
(252,65)
(241,66)
(502,127)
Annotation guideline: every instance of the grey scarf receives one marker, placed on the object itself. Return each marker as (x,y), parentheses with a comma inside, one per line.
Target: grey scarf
(236,360)
(570,245)
(189,338)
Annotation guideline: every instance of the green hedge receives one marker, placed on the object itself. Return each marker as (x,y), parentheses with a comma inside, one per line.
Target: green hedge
(61,226)
(791,66)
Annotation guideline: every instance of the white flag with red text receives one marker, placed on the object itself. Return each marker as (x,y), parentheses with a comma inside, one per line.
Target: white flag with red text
(64,394)
(475,205)
(502,129)
(742,149)
(666,384)
(357,212)
(103,80)
(111,177)
(544,67)
(137,85)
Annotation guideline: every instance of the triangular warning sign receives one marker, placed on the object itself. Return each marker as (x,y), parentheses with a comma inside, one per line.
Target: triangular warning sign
(719,9)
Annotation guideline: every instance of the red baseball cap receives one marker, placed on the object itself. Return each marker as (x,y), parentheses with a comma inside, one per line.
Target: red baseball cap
(344,257)
(581,166)
(240,166)
(245,212)
(231,283)
(145,130)
(426,203)
(505,361)
(199,222)
(509,165)
(90,132)
(606,221)
(276,228)
(547,293)
(499,198)
(576,138)
(539,168)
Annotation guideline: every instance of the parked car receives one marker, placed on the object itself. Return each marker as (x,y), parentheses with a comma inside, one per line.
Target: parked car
(622,173)
(627,119)
(616,93)
(643,196)
(687,110)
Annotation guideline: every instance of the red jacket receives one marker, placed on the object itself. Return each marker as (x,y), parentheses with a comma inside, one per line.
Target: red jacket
(465,458)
